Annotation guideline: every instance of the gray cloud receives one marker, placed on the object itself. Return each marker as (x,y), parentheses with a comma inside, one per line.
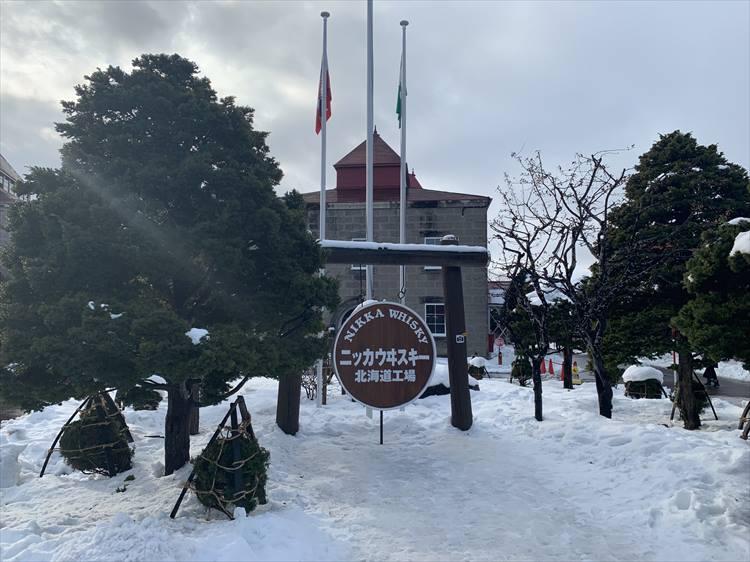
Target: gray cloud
(485,79)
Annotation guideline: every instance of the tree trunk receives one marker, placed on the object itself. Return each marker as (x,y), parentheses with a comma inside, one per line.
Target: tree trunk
(567,367)
(287,403)
(603,386)
(194,409)
(536,377)
(177,429)
(686,398)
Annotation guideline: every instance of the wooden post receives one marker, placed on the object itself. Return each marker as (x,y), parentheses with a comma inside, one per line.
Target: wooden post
(536,379)
(567,367)
(381,427)
(455,323)
(287,404)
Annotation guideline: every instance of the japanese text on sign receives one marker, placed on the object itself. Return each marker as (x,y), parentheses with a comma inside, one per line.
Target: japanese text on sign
(393,357)
(385,375)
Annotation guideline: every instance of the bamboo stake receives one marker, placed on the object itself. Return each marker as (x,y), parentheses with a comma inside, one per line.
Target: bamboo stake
(52,447)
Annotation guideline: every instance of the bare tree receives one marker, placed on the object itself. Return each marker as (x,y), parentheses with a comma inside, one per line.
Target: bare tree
(555,223)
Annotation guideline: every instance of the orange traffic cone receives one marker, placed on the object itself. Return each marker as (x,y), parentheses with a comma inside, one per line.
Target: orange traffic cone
(542,368)
(551,369)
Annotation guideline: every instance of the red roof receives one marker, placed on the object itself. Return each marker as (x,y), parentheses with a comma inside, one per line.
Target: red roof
(382,155)
(350,179)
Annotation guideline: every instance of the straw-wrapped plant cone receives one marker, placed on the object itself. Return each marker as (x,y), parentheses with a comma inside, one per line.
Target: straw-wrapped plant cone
(97,443)
(215,469)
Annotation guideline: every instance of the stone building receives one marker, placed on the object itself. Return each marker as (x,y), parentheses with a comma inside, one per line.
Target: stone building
(431,214)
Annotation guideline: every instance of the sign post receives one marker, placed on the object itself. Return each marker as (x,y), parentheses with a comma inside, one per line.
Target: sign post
(384,355)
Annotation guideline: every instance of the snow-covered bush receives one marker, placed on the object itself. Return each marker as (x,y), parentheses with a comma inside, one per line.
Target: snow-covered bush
(642,381)
(477,367)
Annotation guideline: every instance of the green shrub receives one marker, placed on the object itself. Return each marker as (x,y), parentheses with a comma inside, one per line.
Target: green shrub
(139,398)
(521,370)
(650,388)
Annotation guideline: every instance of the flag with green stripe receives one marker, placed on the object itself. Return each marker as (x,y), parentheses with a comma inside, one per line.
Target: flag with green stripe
(401,90)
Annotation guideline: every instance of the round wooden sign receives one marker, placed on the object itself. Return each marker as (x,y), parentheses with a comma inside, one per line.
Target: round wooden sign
(384,355)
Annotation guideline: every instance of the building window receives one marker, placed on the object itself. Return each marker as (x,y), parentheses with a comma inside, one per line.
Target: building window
(359,266)
(433,240)
(434,316)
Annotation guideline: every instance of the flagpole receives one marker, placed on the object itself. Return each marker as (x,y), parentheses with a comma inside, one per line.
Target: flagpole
(369,157)
(323,118)
(402,123)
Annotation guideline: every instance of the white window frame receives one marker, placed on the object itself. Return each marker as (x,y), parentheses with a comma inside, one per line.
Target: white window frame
(435,304)
(359,267)
(436,243)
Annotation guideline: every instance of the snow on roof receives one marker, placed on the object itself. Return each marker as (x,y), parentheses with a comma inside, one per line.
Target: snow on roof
(196,335)
(642,373)
(8,169)
(741,243)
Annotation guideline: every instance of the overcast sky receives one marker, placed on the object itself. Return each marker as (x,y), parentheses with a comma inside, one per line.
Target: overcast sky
(485,79)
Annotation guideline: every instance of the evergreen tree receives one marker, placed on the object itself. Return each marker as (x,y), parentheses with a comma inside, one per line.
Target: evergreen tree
(564,332)
(162,218)
(527,323)
(717,318)
(680,190)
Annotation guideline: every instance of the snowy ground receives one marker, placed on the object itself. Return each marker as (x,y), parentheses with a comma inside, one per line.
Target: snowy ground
(733,370)
(728,369)
(575,487)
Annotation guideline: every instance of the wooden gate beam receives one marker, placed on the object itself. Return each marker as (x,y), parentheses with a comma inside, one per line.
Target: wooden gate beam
(381,253)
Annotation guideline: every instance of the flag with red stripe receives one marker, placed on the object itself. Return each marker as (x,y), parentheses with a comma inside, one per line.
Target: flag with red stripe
(323,71)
